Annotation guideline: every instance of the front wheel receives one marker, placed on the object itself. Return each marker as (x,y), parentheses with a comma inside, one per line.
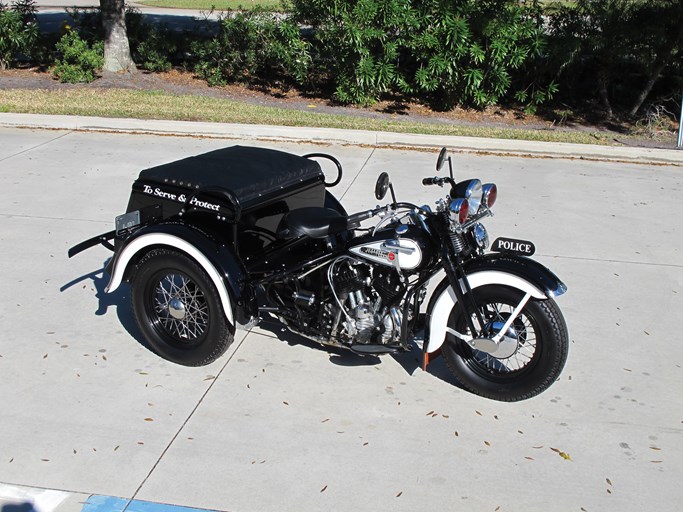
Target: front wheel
(178,309)
(542,344)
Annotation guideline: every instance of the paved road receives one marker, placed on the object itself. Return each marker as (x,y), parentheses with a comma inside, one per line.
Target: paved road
(278,424)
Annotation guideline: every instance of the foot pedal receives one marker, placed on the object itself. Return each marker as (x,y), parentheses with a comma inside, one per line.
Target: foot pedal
(374,350)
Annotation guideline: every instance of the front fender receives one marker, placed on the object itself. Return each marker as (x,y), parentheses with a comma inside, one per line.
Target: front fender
(217,260)
(518,272)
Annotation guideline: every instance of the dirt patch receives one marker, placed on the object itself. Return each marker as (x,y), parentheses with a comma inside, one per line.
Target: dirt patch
(184,82)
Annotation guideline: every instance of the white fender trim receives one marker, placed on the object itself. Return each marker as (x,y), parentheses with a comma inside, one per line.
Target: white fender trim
(445,302)
(177,243)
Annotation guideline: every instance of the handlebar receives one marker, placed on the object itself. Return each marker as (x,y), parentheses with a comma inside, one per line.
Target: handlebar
(438,181)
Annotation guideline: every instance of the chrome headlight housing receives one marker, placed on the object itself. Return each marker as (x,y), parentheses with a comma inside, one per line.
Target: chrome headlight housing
(481,236)
(459,210)
(472,191)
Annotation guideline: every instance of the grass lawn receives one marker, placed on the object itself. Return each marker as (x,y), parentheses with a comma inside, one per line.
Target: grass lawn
(161,105)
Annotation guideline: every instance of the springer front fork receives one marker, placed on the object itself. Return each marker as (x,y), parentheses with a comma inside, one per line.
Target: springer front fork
(477,324)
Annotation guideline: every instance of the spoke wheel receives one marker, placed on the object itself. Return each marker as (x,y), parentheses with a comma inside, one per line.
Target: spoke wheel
(178,310)
(538,336)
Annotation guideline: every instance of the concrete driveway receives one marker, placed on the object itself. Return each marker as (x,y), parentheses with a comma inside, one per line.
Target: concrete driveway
(92,420)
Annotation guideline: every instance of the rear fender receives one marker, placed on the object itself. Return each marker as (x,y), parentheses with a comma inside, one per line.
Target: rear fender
(218,261)
(524,274)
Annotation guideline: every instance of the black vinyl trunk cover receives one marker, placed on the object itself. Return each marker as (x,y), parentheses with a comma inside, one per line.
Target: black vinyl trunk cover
(249,172)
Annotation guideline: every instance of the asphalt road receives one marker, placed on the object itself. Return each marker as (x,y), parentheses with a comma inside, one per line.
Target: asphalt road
(279,424)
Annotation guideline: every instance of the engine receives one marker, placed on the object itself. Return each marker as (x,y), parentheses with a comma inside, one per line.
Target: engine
(367,300)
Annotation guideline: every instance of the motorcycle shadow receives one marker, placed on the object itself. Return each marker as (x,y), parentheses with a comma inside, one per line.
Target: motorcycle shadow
(410,361)
(119,299)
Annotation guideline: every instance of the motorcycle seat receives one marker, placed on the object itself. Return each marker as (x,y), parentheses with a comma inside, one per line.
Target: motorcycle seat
(315,222)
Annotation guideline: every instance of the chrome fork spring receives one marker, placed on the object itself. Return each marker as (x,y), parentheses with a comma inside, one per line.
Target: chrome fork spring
(458,242)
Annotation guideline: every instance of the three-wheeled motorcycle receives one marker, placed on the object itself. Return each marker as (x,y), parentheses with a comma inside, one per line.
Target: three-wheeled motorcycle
(225,238)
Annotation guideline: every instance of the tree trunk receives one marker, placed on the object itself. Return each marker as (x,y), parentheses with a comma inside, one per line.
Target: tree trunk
(647,88)
(604,95)
(116,47)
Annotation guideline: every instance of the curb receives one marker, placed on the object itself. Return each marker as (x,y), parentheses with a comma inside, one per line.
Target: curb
(503,147)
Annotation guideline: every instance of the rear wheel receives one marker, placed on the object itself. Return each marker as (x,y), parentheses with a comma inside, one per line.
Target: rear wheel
(178,310)
(542,344)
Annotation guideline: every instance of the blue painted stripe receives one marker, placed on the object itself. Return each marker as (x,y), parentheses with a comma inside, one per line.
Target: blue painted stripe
(97,503)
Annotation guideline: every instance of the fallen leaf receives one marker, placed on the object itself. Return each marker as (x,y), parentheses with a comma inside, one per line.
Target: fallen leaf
(45,460)
(609,482)
(530,458)
(627,370)
(140,442)
(210,377)
(149,419)
(325,420)
(456,433)
(655,448)
(435,415)
(323,489)
(445,416)
(104,357)
(286,403)
(656,461)
(50,332)
(496,509)
(75,452)
(429,413)
(478,413)
(556,450)
(399,494)
(537,447)
(487,443)
(565,456)
(366,443)
(45,356)
(646,333)
(117,447)
(495,417)
(11,460)
(609,492)
(311,106)
(520,432)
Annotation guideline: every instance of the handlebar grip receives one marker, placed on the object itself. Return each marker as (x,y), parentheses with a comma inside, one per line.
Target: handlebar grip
(430,181)
(357,218)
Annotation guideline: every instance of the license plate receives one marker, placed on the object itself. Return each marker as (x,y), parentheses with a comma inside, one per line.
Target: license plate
(127,221)
(522,247)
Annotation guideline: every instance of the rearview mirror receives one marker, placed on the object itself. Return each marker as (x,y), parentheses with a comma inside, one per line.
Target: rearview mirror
(442,158)
(382,186)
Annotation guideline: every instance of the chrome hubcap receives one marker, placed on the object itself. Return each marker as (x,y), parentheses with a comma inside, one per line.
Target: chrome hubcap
(181,307)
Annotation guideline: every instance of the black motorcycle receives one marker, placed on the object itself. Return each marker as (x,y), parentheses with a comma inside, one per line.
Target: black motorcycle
(229,237)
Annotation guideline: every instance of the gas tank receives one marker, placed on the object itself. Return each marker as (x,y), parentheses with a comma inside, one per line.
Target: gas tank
(413,249)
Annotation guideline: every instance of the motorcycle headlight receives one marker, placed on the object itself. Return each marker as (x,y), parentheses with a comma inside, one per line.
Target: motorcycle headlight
(459,209)
(481,236)
(489,194)
(472,191)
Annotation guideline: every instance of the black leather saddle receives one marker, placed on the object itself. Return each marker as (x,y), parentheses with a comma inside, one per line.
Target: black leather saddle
(315,222)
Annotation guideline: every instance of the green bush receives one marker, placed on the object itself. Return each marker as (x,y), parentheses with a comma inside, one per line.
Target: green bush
(79,61)
(446,52)
(252,46)
(18,33)
(154,52)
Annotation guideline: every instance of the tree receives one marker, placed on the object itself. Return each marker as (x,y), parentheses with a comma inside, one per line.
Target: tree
(117,55)
(620,48)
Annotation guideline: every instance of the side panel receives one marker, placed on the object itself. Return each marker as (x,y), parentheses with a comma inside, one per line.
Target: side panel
(221,266)
(527,275)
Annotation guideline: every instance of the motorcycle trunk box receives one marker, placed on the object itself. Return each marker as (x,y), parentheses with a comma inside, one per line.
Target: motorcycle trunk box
(254,187)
